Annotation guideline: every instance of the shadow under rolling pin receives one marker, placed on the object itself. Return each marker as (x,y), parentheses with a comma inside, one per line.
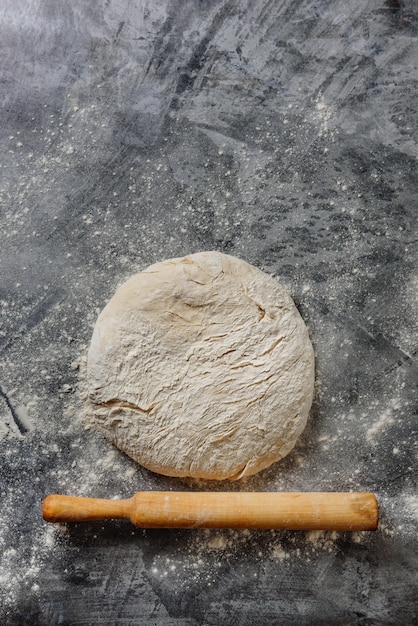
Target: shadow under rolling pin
(261,510)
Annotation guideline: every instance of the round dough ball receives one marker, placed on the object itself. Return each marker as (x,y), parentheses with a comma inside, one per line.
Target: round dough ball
(201,366)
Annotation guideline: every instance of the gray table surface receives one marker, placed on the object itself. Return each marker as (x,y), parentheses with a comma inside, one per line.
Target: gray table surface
(284,133)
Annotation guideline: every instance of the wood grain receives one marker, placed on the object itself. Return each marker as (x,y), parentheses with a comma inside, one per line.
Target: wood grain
(263,510)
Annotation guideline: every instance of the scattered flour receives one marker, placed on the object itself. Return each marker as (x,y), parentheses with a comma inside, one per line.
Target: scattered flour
(15,580)
(386,419)
(412,505)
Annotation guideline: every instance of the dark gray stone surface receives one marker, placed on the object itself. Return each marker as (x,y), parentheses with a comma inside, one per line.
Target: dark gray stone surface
(284,133)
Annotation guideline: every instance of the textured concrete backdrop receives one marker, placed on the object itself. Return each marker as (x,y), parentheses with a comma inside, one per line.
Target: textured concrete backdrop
(284,133)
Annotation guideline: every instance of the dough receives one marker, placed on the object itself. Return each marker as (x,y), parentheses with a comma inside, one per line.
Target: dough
(201,366)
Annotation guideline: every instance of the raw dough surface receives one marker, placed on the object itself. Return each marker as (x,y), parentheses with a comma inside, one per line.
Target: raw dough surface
(201,366)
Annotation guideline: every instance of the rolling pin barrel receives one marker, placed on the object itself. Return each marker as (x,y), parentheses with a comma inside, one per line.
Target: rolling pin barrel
(262,510)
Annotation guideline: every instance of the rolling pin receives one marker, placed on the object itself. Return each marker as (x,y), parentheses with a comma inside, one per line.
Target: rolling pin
(262,510)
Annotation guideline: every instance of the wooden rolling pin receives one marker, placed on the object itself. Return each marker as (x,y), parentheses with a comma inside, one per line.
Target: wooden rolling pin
(177,509)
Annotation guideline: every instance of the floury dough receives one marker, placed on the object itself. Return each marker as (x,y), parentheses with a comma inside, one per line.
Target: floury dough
(201,366)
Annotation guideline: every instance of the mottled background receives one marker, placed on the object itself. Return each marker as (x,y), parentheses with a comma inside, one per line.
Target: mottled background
(284,133)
